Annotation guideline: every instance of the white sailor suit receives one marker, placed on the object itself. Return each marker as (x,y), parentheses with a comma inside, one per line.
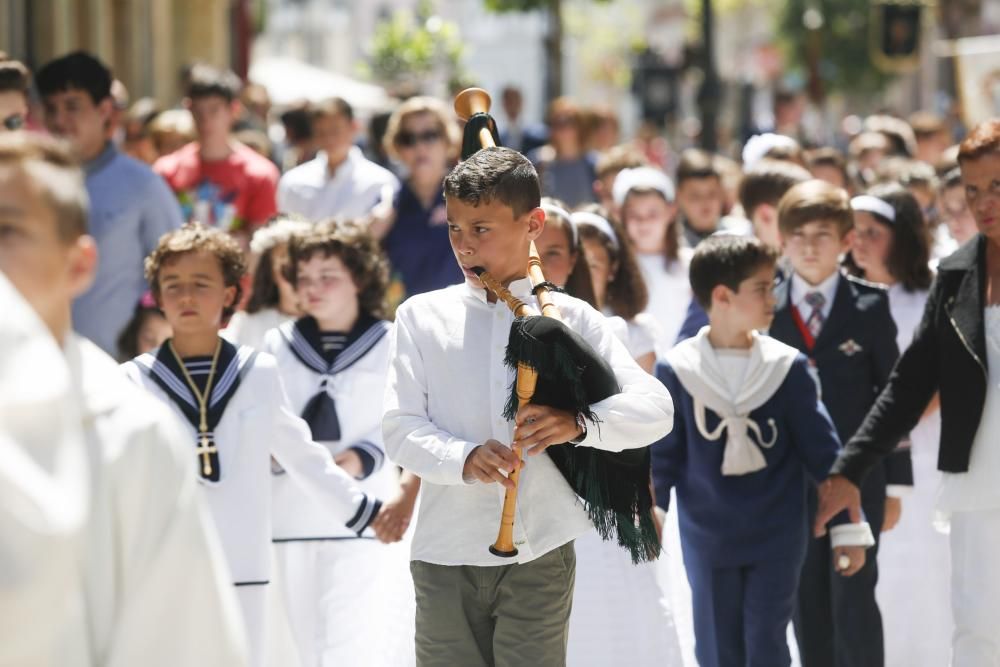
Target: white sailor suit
(250,422)
(331,575)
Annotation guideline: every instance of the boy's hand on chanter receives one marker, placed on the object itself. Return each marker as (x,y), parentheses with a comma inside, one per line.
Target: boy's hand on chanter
(487,460)
(855,560)
(539,427)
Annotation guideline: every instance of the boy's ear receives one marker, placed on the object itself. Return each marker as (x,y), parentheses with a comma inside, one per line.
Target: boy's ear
(230,297)
(765,214)
(846,240)
(721,295)
(106,108)
(82,264)
(536,223)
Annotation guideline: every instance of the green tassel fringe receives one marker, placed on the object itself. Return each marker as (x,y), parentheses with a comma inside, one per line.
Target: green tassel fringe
(613,486)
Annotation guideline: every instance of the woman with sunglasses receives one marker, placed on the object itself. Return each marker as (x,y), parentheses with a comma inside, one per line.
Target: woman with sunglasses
(424,138)
(14,82)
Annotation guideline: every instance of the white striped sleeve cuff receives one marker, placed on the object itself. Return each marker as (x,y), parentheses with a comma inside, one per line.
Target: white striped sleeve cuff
(366,513)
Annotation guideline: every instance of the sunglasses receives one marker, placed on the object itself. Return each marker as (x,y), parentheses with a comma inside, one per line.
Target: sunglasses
(409,139)
(15,122)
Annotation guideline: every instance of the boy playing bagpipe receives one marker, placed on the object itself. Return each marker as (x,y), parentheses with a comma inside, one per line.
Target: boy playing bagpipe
(445,404)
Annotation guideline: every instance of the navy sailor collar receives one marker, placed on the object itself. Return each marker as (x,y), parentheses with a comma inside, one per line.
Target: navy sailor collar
(233,364)
(304,339)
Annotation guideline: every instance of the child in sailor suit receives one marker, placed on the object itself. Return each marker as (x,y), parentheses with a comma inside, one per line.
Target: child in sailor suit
(248,420)
(334,579)
(749,432)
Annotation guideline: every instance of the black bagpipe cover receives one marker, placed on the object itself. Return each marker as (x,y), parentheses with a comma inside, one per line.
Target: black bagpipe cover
(614,486)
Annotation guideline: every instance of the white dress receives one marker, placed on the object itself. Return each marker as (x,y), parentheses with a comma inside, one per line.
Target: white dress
(346,597)
(914,558)
(621,612)
(669,294)
(249,328)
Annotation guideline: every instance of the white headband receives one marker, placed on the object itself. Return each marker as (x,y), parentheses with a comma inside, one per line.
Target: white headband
(280,231)
(641,177)
(552,209)
(760,145)
(598,223)
(874,205)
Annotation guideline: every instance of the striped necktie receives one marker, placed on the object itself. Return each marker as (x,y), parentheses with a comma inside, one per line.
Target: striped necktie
(816,319)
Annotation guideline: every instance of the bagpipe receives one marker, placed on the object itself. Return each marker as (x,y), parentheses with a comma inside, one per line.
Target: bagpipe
(557,368)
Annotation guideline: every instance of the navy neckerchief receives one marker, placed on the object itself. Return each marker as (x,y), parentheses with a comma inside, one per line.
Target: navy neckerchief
(233,364)
(305,341)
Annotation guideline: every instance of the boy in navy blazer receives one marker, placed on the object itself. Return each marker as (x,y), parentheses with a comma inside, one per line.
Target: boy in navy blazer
(845,328)
(749,433)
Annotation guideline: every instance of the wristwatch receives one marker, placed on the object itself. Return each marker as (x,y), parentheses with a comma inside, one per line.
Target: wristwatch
(581,423)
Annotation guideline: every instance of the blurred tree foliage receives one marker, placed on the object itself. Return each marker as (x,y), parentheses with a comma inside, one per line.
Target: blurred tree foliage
(411,47)
(836,47)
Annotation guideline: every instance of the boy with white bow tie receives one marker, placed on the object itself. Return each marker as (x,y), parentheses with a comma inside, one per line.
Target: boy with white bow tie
(749,431)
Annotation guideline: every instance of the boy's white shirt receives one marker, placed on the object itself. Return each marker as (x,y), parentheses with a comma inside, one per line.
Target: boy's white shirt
(256,425)
(107,553)
(357,392)
(445,395)
(697,366)
(44,495)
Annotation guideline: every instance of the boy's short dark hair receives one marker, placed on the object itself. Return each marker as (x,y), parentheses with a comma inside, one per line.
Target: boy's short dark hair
(982,140)
(194,237)
(298,123)
(50,165)
(500,174)
(334,106)
(814,201)
(14,76)
(75,71)
(767,181)
(726,259)
(356,248)
(696,164)
(827,156)
(206,81)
